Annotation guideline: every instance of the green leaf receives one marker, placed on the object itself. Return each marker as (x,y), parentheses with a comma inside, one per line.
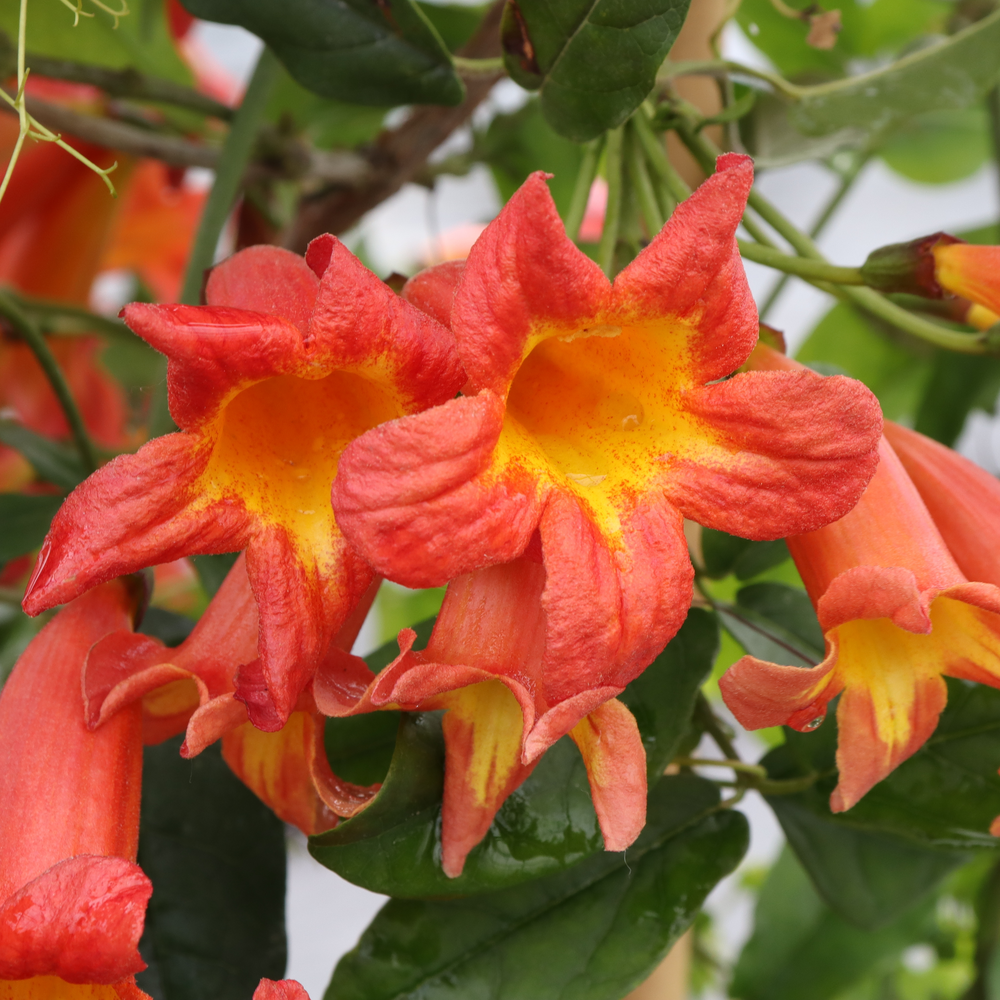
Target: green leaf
(216,856)
(141,39)
(455,23)
(360,747)
(212,570)
(945,796)
(802,950)
(951,75)
(873,861)
(25,520)
(326,122)
(723,554)
(167,626)
(362,51)
(788,607)
(595,61)
(765,638)
(662,697)
(958,384)
(52,461)
(545,825)
(589,933)
(939,147)
(860,348)
(516,144)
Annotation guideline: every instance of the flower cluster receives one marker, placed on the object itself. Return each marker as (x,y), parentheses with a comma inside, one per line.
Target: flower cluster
(515,426)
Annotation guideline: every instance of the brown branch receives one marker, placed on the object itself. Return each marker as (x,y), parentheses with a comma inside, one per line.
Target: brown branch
(399,155)
(328,166)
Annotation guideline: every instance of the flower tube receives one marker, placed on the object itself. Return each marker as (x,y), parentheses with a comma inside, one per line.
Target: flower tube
(73,899)
(897,613)
(193,687)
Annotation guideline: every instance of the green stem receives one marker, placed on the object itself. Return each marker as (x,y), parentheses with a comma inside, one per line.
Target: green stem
(65,320)
(704,714)
(803,267)
(581,191)
(229,172)
(613,212)
(478,67)
(642,185)
(878,305)
(735,765)
(847,179)
(867,298)
(993,107)
(656,156)
(38,346)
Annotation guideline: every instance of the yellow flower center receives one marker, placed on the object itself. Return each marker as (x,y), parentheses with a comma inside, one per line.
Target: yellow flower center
(279,442)
(604,411)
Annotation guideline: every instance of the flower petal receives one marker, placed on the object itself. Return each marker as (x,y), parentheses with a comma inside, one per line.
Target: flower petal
(692,270)
(482,733)
(80,920)
(279,769)
(265,279)
(762,694)
(420,500)
(791,453)
(609,741)
(358,318)
(612,600)
(433,290)
(962,498)
(214,352)
(284,989)
(302,606)
(137,511)
(889,708)
(524,280)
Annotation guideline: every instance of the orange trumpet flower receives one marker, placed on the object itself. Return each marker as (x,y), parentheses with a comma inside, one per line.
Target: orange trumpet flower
(291,359)
(898,614)
(72,899)
(552,493)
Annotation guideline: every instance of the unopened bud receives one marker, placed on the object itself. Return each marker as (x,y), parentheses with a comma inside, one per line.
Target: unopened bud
(907,267)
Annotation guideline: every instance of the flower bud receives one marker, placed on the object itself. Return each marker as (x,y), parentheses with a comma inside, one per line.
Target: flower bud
(907,267)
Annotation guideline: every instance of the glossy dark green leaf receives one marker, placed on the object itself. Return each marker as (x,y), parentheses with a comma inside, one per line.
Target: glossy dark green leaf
(545,825)
(595,61)
(362,51)
(167,626)
(662,697)
(24,522)
(958,384)
(53,461)
(946,795)
(788,607)
(911,829)
(765,638)
(590,933)
(216,856)
(801,950)
(724,554)
(516,144)
(212,570)
(360,747)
